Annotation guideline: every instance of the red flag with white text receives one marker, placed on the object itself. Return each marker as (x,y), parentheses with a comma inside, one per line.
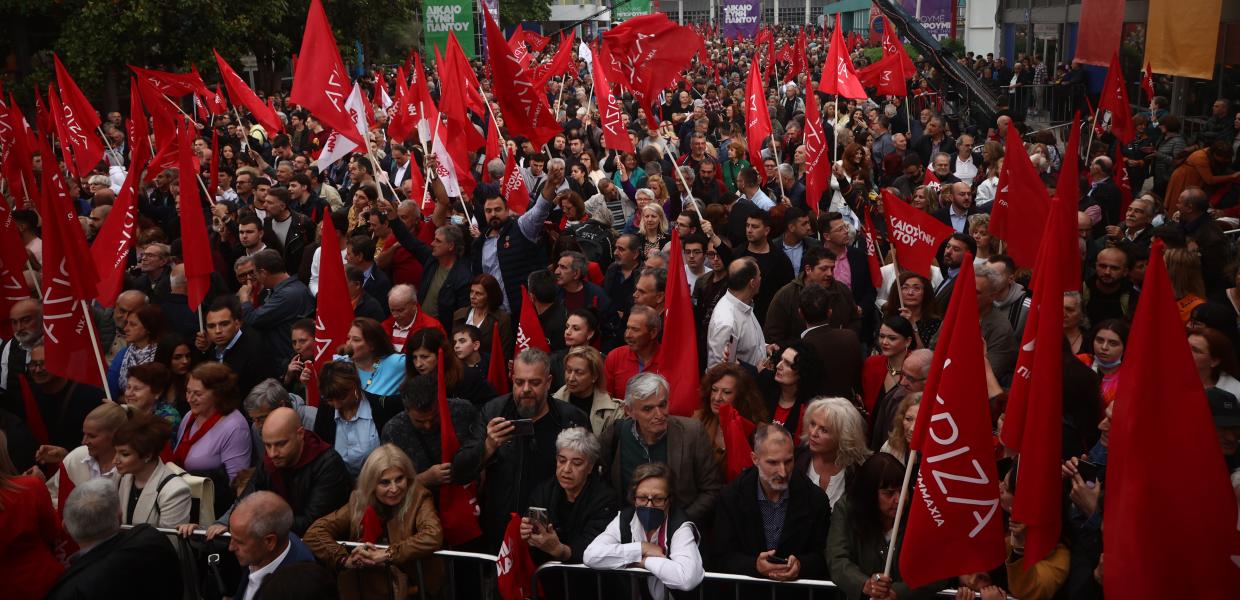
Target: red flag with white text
(757,120)
(80,122)
(817,154)
(615,136)
(838,74)
(529,328)
(1114,99)
(514,564)
(513,188)
(320,83)
(915,234)
(241,95)
(524,106)
(955,525)
(110,249)
(334,311)
(646,54)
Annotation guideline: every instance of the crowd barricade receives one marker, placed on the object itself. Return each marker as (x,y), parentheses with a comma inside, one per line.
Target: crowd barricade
(478,568)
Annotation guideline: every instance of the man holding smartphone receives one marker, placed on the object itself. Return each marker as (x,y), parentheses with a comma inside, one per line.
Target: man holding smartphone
(788,539)
(517,451)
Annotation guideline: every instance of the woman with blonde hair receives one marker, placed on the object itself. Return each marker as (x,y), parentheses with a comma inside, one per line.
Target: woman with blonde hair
(833,444)
(387,508)
(652,229)
(987,246)
(585,386)
(902,427)
(94,458)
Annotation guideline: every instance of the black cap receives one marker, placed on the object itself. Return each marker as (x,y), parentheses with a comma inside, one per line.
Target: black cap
(1224,407)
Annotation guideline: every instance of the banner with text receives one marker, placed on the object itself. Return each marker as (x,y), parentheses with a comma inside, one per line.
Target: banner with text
(741,17)
(934,15)
(446,17)
(624,11)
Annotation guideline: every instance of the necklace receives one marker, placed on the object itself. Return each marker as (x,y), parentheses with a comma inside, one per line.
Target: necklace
(894,371)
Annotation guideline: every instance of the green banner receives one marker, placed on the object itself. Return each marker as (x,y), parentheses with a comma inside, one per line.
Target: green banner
(624,11)
(449,16)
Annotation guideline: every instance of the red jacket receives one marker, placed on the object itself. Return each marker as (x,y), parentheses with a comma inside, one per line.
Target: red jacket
(31,536)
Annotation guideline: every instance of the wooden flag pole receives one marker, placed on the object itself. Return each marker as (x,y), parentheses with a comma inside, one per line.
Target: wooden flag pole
(688,188)
(895,530)
(94,346)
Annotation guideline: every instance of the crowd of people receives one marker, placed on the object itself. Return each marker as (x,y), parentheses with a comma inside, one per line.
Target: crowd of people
(233,424)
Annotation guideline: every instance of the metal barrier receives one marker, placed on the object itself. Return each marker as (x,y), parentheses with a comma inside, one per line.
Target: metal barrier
(485,563)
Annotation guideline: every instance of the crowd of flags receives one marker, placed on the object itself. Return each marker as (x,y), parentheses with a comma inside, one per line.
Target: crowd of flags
(1168,499)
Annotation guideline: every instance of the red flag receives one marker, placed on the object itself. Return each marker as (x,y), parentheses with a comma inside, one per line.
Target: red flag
(1018,213)
(757,120)
(800,60)
(241,95)
(1068,188)
(871,253)
(216,102)
(1161,396)
(497,370)
(529,328)
(163,117)
(64,487)
(646,54)
(174,85)
(892,45)
(615,137)
(955,525)
(915,235)
(1101,24)
(514,564)
(678,360)
(817,154)
(34,415)
(409,106)
(458,504)
(110,250)
(69,282)
(560,64)
(195,249)
(513,187)
(63,137)
(524,106)
(271,105)
(839,77)
(736,432)
(139,134)
(459,137)
(18,167)
(1114,99)
(320,83)
(520,51)
(1034,417)
(80,121)
(13,286)
(333,312)
(1147,82)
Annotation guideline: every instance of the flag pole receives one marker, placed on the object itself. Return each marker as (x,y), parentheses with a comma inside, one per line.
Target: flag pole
(688,188)
(895,530)
(835,140)
(99,130)
(1093,126)
(245,135)
(94,346)
(778,163)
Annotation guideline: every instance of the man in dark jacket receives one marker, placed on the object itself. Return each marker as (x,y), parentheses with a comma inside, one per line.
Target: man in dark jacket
(517,451)
(260,537)
(286,230)
(509,248)
(300,468)
(416,430)
(226,341)
(575,288)
(139,563)
(772,522)
(838,348)
(444,253)
(289,302)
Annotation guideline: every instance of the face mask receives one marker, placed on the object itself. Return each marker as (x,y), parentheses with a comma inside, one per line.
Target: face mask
(650,517)
(1107,365)
(458,220)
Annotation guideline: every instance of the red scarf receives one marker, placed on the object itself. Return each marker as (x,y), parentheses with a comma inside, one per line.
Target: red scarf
(372,525)
(182,449)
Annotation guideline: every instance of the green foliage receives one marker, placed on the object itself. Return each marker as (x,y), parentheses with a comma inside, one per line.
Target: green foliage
(512,12)
(955,46)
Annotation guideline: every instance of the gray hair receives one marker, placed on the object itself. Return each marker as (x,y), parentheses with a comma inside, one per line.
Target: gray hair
(643,386)
(653,318)
(579,439)
(944,155)
(647,191)
(247,259)
(267,395)
(992,277)
(496,169)
(263,521)
(768,431)
(581,264)
(785,170)
(596,207)
(687,172)
(847,427)
(99,180)
(92,513)
(926,356)
(534,356)
(402,291)
(555,163)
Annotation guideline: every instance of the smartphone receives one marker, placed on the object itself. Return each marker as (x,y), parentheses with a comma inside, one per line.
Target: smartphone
(777,560)
(1090,471)
(538,517)
(522,427)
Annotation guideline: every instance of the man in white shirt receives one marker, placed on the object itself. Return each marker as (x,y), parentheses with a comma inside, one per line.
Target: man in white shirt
(261,540)
(734,333)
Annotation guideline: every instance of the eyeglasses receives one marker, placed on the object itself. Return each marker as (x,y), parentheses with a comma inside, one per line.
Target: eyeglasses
(653,501)
(909,378)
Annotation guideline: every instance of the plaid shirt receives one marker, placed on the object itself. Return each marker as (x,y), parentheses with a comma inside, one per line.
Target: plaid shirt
(773,514)
(713,106)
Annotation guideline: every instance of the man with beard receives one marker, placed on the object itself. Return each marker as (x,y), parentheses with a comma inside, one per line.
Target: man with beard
(508,248)
(517,451)
(1109,294)
(795,515)
(26,316)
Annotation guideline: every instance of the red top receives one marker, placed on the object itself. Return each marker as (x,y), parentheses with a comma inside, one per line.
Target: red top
(31,536)
(621,365)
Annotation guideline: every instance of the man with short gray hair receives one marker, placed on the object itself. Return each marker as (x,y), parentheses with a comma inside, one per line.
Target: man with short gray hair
(261,540)
(1001,344)
(109,559)
(517,450)
(649,433)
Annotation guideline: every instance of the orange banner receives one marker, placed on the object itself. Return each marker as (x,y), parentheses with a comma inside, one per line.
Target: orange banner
(1183,42)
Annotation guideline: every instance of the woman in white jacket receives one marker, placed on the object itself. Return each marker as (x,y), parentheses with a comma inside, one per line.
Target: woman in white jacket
(150,490)
(652,534)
